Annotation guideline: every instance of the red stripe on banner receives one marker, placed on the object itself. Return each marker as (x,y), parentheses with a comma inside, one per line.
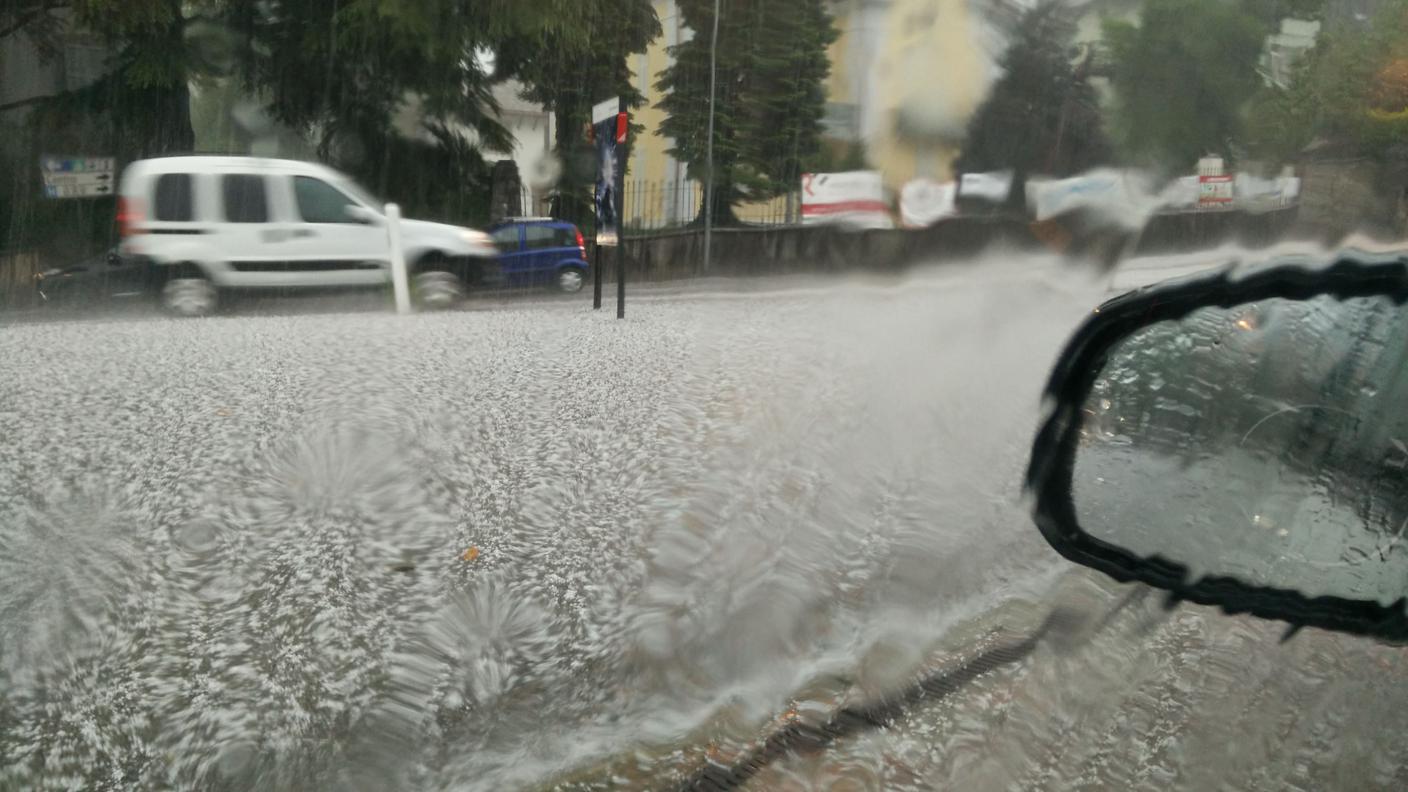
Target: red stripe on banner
(844,206)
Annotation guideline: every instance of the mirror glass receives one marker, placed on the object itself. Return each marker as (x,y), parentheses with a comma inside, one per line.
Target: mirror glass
(1265,442)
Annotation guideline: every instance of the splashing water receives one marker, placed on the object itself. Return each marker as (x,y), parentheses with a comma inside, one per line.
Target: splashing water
(731,507)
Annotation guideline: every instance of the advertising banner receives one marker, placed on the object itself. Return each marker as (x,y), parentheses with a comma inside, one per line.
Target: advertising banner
(1116,197)
(608,133)
(1214,191)
(924,202)
(852,198)
(994,187)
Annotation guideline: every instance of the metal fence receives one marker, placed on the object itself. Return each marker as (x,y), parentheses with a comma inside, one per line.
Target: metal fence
(662,205)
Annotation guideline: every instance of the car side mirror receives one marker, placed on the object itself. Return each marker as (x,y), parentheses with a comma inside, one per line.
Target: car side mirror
(1239,440)
(361,214)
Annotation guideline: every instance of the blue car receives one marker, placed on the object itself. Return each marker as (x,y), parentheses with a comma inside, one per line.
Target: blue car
(540,251)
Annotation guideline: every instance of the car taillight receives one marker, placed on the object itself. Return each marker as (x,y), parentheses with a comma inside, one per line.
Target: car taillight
(129,214)
(581,243)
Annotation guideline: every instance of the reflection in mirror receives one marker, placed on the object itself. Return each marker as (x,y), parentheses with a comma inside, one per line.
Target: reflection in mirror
(1264,442)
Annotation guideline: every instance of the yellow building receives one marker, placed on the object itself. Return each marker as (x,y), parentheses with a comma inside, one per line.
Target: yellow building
(895,65)
(658,186)
(658,190)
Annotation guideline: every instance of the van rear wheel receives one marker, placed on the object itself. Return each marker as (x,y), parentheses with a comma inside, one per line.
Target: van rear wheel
(189,294)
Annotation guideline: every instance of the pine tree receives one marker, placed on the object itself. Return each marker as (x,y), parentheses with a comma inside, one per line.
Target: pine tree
(770,98)
(1042,116)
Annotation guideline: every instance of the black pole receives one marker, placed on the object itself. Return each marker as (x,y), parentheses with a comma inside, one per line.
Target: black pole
(621,229)
(596,276)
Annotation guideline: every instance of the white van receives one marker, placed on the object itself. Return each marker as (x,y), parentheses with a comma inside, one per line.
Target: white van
(206,224)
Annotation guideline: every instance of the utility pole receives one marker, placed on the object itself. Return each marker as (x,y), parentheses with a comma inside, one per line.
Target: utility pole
(709,144)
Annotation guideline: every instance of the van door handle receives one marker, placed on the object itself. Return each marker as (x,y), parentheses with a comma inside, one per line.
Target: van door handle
(303,232)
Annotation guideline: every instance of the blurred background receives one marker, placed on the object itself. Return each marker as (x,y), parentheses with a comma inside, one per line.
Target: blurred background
(924,121)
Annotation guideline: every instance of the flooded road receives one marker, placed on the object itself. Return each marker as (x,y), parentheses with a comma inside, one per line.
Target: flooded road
(534,547)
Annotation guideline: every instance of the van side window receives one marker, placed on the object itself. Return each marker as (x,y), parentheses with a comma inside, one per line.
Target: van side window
(173,198)
(320,202)
(245,198)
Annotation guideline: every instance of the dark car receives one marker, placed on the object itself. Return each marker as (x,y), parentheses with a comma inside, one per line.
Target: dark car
(538,251)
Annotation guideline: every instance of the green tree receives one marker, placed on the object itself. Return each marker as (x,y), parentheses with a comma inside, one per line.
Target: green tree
(388,90)
(139,107)
(1042,115)
(142,101)
(1351,89)
(570,69)
(771,64)
(1182,78)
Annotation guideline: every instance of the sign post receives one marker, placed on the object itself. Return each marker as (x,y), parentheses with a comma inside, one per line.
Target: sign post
(77,177)
(609,122)
(596,277)
(400,287)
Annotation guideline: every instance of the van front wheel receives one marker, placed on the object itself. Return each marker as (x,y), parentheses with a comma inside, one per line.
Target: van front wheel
(189,295)
(437,290)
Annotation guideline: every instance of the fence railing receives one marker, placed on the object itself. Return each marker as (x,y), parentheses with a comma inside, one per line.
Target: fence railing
(660,205)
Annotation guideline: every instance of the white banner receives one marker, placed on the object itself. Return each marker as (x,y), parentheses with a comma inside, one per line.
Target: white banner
(924,202)
(1181,193)
(1117,197)
(852,198)
(994,187)
(604,110)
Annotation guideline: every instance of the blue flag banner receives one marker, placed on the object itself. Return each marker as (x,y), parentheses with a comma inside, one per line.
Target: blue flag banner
(608,133)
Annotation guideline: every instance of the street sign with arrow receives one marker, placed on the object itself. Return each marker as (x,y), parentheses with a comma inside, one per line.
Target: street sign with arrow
(77,177)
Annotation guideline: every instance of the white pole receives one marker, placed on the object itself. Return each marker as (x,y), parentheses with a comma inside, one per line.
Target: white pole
(399,285)
(709,144)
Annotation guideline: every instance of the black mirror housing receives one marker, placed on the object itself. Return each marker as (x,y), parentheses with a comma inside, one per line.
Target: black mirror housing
(1052,468)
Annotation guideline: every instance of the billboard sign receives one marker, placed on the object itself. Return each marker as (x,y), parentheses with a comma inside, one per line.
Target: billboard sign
(1215,191)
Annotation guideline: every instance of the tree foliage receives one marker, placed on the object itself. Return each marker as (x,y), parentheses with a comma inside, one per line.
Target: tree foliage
(1042,115)
(1351,89)
(1182,78)
(567,71)
(771,64)
(397,93)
